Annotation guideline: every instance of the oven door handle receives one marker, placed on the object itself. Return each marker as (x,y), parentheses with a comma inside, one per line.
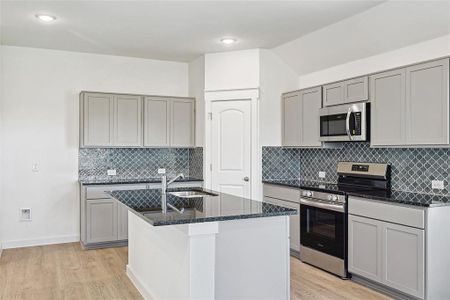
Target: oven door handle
(347,122)
(323,205)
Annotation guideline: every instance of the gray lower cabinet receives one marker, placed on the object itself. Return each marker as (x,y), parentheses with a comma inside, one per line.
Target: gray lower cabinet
(104,221)
(364,247)
(300,118)
(348,91)
(286,197)
(294,221)
(384,252)
(403,256)
(101,220)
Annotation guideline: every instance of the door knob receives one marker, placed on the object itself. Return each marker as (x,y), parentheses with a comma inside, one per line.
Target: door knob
(246,178)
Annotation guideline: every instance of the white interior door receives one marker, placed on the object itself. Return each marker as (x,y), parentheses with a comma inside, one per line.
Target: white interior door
(231,147)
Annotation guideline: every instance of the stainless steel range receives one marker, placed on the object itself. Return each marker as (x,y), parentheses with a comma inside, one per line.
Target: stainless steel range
(323,214)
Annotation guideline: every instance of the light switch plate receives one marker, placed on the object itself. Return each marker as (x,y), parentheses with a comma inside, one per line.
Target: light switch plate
(35,168)
(322,174)
(161,171)
(111,172)
(437,184)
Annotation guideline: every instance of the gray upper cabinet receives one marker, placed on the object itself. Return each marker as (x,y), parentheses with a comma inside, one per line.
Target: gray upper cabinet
(301,118)
(388,108)
(410,106)
(333,94)
(311,102)
(182,122)
(348,91)
(291,119)
(127,120)
(356,90)
(427,103)
(156,121)
(96,119)
(119,120)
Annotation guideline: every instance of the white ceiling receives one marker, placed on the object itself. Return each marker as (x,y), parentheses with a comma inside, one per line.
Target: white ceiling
(168,30)
(388,26)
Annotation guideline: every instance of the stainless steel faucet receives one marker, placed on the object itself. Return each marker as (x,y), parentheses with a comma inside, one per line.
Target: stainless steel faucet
(164,185)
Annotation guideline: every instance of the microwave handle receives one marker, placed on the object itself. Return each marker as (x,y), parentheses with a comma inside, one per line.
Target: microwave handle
(347,123)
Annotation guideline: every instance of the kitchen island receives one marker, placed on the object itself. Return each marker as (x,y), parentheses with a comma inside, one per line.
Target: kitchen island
(214,246)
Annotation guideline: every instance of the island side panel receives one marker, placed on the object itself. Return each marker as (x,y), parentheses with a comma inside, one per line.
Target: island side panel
(158,259)
(252,259)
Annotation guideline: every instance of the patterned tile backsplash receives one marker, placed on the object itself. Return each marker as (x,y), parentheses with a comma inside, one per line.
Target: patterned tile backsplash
(136,163)
(413,169)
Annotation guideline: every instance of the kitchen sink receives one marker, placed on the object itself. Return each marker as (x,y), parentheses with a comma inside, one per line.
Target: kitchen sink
(191,194)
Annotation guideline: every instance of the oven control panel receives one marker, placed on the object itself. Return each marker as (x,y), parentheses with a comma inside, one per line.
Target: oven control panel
(360,168)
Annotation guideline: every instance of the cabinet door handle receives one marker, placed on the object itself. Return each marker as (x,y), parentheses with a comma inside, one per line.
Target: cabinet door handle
(246,178)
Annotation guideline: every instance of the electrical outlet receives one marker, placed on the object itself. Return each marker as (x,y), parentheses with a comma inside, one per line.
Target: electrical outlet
(111,172)
(25,214)
(322,174)
(437,184)
(161,171)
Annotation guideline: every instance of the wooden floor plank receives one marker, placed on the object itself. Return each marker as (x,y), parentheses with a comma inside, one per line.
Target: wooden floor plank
(65,271)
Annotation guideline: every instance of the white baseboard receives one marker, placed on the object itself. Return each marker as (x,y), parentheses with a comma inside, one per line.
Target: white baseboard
(62,239)
(138,284)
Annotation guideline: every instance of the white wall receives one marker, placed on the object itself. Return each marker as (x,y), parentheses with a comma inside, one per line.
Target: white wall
(423,51)
(275,78)
(40,125)
(232,70)
(197,90)
(385,27)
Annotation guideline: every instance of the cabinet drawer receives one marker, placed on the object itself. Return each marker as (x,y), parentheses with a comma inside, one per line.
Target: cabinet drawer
(98,191)
(281,192)
(394,213)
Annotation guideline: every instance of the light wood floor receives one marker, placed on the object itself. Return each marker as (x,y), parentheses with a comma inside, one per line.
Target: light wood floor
(65,271)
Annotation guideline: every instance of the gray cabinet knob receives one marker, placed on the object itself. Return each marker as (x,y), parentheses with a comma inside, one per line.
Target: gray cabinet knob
(246,178)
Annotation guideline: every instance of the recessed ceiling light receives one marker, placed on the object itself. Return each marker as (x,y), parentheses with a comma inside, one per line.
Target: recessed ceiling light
(228,41)
(46,18)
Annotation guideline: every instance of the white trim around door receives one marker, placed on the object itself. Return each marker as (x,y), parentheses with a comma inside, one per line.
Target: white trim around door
(251,95)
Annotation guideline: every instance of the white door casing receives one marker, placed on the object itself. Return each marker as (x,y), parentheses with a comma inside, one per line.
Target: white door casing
(231,147)
(251,96)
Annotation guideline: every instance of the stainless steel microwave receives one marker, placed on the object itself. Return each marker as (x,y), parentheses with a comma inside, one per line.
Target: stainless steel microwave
(348,122)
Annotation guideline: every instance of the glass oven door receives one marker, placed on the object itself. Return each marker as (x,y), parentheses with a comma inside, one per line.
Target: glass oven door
(323,230)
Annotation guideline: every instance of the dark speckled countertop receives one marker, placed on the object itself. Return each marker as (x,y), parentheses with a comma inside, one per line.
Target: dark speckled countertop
(416,199)
(113,180)
(217,207)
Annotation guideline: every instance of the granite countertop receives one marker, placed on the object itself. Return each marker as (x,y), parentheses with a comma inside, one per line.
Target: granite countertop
(129,180)
(147,205)
(392,196)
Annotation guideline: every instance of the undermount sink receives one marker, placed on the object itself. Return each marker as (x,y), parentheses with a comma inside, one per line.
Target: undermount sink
(191,194)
